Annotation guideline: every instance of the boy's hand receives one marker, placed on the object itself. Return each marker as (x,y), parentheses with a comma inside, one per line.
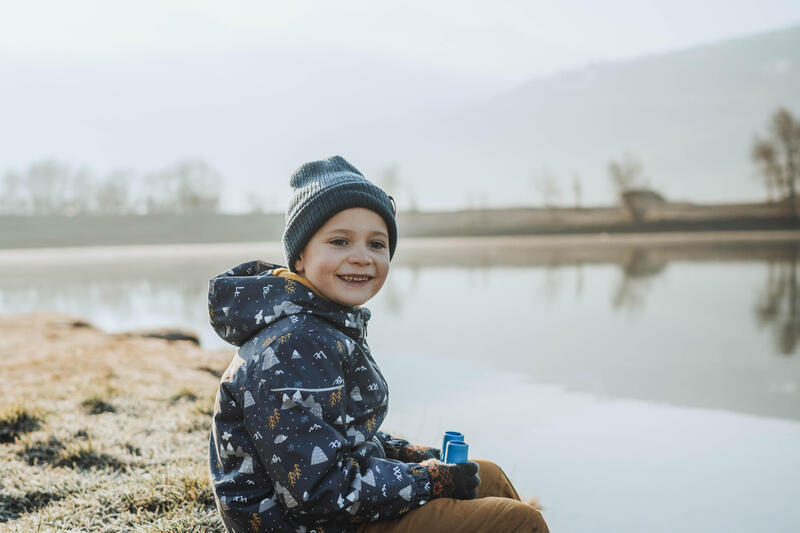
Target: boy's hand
(417,454)
(458,481)
(402,450)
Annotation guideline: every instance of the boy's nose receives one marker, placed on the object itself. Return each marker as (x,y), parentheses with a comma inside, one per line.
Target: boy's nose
(359,256)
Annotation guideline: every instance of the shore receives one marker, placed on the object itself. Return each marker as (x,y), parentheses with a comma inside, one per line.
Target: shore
(104,432)
(433,251)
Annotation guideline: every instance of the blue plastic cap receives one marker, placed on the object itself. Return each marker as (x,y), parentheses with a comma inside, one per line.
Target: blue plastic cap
(449,436)
(457,452)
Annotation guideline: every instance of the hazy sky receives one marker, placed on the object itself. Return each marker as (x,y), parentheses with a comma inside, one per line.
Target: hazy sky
(503,42)
(256,88)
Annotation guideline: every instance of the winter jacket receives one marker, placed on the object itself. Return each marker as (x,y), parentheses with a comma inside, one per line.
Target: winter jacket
(294,441)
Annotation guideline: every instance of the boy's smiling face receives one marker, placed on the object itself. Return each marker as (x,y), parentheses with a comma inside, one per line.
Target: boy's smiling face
(347,259)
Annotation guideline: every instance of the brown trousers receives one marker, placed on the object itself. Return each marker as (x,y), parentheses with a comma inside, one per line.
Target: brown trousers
(497,509)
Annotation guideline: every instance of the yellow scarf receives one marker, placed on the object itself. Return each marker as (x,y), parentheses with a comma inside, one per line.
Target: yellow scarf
(288,274)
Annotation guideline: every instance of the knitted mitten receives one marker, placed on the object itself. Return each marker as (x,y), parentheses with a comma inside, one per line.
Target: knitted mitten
(402,450)
(458,481)
(416,454)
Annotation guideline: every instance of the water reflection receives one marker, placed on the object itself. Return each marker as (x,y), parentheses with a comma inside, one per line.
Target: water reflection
(144,291)
(395,298)
(638,270)
(578,281)
(778,304)
(673,325)
(551,285)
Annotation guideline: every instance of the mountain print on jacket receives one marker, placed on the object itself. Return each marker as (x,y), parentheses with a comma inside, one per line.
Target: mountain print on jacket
(294,439)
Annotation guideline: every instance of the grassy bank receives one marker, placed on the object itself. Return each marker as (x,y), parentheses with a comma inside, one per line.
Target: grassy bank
(102,432)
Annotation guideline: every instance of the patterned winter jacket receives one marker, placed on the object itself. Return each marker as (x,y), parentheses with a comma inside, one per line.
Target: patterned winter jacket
(295,444)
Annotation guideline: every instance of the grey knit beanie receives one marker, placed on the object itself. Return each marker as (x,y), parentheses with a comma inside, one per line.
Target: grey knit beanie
(321,189)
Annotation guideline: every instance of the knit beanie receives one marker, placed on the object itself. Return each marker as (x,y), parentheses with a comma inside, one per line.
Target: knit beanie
(321,189)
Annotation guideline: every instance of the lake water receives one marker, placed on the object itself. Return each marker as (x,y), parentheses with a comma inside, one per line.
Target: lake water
(629,388)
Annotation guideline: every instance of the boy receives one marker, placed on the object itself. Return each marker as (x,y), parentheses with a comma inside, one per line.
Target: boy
(295,443)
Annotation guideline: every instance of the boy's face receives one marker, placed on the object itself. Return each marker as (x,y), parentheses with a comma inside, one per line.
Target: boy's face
(347,259)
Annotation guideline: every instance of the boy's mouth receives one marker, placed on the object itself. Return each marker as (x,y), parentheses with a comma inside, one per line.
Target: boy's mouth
(354,278)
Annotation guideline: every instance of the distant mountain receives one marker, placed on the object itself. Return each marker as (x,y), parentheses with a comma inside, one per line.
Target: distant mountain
(689,115)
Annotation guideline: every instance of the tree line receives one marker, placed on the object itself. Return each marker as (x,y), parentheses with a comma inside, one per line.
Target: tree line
(191,186)
(776,156)
(49,187)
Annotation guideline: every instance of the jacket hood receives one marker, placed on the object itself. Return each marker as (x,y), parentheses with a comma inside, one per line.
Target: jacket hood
(249,297)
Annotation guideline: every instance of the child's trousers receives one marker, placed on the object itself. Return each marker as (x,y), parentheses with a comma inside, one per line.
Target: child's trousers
(497,509)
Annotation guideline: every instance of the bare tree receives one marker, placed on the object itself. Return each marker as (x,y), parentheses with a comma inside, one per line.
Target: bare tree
(198,187)
(49,187)
(259,203)
(626,174)
(112,196)
(547,185)
(402,193)
(577,189)
(188,187)
(13,200)
(77,196)
(778,155)
(255,201)
(46,182)
(411,205)
(765,156)
(389,180)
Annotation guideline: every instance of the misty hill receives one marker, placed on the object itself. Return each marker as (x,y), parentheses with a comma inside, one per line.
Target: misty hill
(256,115)
(689,115)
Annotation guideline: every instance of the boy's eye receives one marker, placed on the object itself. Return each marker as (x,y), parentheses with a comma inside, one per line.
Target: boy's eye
(377,244)
(338,242)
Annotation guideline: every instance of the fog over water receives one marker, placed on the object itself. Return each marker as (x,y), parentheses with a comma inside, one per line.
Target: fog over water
(632,379)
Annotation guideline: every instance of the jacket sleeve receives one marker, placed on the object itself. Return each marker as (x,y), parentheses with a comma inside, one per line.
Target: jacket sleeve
(391,445)
(296,414)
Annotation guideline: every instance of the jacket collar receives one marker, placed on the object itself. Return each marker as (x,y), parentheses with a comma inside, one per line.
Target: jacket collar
(255,294)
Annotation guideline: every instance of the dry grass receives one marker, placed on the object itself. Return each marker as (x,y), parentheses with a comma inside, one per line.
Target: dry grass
(18,420)
(123,444)
(184,394)
(96,404)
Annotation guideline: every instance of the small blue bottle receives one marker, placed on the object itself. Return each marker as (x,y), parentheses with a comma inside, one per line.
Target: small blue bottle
(450,436)
(457,452)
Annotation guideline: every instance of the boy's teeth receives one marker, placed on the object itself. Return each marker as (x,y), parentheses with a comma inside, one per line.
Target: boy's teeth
(355,278)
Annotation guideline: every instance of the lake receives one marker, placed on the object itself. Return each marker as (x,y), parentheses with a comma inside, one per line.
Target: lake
(630,384)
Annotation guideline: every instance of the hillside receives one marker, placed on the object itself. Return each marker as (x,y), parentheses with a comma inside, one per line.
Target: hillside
(690,116)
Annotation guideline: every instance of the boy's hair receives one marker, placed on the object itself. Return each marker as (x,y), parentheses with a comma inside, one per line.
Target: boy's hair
(321,189)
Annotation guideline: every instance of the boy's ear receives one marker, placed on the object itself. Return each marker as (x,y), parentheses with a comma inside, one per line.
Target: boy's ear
(298,263)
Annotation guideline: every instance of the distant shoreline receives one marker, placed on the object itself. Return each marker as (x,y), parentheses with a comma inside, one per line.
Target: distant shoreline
(510,250)
(25,232)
